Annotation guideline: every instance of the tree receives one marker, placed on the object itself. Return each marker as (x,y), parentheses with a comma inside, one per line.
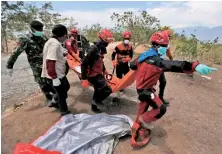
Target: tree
(141,26)
(17,16)
(9,16)
(91,32)
(72,23)
(187,46)
(49,18)
(117,34)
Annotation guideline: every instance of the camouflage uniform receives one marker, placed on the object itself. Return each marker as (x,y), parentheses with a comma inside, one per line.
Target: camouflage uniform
(33,46)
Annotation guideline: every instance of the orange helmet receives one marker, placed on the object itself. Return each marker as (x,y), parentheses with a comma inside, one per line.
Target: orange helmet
(160,38)
(127,34)
(106,35)
(74,31)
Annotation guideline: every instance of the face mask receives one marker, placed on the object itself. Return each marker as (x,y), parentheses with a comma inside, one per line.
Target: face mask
(38,33)
(162,51)
(126,41)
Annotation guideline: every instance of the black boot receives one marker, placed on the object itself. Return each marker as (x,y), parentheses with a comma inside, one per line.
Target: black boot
(65,113)
(164,101)
(95,109)
(53,103)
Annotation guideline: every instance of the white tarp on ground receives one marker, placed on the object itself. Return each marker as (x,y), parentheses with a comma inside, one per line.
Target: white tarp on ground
(85,134)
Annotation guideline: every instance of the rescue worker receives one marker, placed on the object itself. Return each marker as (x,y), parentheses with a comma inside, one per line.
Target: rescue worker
(33,44)
(54,66)
(149,67)
(72,46)
(162,79)
(93,69)
(124,53)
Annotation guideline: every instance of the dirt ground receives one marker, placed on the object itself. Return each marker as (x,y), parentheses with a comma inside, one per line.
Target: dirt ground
(191,125)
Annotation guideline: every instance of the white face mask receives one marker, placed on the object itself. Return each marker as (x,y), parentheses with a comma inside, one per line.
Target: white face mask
(126,41)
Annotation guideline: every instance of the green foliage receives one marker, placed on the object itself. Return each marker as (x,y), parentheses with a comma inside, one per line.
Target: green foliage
(72,23)
(49,18)
(117,34)
(10,13)
(141,26)
(92,31)
(190,48)
(17,16)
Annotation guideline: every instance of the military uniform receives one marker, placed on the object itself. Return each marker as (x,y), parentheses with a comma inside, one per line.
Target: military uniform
(33,46)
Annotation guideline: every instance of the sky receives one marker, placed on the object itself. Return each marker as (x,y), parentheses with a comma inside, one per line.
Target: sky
(175,14)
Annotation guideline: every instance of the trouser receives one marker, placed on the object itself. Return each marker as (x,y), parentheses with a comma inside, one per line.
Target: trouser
(122,69)
(45,87)
(162,85)
(158,109)
(62,93)
(101,88)
(67,68)
(81,54)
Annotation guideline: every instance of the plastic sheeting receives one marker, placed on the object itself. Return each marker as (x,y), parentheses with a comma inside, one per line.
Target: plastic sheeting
(85,134)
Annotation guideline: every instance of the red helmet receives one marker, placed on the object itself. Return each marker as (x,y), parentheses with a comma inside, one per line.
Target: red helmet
(127,34)
(74,31)
(160,38)
(106,35)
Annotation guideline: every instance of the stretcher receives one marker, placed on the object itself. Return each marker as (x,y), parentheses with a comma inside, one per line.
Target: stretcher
(115,83)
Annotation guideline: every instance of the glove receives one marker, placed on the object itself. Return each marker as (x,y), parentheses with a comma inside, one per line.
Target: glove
(10,71)
(85,83)
(114,63)
(125,60)
(204,69)
(56,82)
(105,72)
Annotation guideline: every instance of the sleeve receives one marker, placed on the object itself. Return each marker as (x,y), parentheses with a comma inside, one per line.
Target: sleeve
(131,52)
(177,66)
(114,53)
(53,50)
(21,46)
(91,53)
(50,66)
(134,64)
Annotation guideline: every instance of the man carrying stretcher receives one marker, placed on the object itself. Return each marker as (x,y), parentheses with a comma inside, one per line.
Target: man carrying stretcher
(72,46)
(93,69)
